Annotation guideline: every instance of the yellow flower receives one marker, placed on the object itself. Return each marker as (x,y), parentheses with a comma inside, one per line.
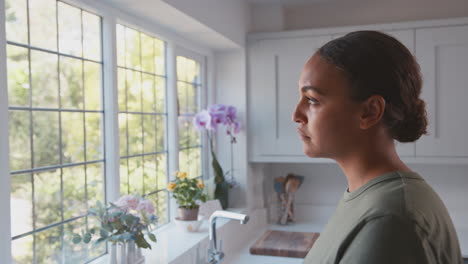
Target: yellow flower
(171,186)
(181,175)
(200,184)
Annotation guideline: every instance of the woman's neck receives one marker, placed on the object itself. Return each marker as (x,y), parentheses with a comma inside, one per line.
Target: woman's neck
(370,162)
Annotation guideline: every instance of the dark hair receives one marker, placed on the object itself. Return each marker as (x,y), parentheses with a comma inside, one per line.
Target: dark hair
(378,64)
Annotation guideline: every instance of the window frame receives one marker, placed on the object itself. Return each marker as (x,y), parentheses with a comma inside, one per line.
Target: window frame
(110,17)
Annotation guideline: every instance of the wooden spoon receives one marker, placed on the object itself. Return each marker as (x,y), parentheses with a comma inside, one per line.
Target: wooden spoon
(291,186)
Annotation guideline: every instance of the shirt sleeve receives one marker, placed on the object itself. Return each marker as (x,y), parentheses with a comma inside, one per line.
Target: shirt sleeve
(386,240)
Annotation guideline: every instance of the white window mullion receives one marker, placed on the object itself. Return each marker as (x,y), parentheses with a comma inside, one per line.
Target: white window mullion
(172,121)
(111,108)
(5,225)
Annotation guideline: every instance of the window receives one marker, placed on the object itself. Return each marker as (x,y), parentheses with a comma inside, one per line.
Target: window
(56,127)
(56,90)
(188,102)
(142,116)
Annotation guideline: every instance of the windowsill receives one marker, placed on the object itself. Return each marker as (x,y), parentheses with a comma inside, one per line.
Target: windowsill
(173,242)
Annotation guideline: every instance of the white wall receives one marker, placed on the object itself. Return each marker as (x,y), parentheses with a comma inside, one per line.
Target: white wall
(356,12)
(324,185)
(231,89)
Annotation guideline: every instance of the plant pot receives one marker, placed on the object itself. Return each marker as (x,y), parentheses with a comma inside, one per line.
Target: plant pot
(189,226)
(188,214)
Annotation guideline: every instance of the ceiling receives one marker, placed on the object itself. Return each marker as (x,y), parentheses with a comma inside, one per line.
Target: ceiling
(157,11)
(289,2)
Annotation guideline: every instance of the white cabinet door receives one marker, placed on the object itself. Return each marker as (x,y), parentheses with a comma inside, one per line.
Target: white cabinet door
(275,66)
(407,38)
(443,55)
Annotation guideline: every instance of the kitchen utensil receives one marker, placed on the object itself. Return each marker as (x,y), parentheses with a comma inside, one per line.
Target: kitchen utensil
(278,184)
(291,186)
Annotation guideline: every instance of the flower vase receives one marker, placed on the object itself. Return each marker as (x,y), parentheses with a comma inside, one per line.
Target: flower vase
(134,255)
(131,252)
(121,254)
(112,253)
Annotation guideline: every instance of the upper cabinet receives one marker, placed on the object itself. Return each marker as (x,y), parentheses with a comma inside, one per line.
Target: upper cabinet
(443,55)
(275,67)
(276,61)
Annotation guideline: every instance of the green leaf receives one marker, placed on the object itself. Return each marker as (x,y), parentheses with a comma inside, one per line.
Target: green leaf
(103,233)
(76,239)
(221,193)
(141,241)
(87,238)
(219,175)
(116,237)
(126,236)
(100,240)
(152,237)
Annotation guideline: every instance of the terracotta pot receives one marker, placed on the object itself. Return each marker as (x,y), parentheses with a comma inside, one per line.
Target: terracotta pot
(188,214)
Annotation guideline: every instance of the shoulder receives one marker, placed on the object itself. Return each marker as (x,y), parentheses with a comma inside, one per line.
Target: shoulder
(398,195)
(390,237)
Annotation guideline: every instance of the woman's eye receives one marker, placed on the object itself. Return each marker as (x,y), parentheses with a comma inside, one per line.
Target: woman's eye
(311,100)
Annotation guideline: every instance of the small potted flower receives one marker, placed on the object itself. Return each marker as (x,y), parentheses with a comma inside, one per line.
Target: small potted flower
(187,192)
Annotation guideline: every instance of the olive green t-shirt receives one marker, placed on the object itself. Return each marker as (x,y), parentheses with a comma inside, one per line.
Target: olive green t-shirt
(394,218)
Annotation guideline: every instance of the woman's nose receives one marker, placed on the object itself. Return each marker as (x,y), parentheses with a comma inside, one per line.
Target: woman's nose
(298,116)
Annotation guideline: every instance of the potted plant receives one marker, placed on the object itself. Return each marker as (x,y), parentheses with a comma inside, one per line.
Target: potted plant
(124,223)
(209,120)
(187,192)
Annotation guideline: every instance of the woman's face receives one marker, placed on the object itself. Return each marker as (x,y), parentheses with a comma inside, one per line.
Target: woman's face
(328,120)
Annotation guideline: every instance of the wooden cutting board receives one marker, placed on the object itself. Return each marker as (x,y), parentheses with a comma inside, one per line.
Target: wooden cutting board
(284,244)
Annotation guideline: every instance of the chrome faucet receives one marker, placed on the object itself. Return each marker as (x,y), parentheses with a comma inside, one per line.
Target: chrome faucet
(215,255)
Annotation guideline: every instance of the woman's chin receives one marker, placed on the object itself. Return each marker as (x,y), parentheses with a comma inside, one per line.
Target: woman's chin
(310,152)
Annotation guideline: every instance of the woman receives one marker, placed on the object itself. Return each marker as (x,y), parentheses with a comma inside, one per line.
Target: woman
(359,93)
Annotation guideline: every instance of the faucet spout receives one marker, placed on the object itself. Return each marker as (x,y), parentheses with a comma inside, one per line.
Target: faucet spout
(215,254)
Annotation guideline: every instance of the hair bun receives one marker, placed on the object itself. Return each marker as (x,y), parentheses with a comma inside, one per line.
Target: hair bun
(413,126)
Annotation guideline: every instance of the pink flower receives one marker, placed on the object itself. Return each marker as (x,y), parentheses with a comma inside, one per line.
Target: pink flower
(218,115)
(202,120)
(127,202)
(237,127)
(146,206)
(231,115)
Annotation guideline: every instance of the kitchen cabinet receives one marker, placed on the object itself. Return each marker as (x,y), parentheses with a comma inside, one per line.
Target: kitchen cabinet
(276,60)
(275,68)
(443,55)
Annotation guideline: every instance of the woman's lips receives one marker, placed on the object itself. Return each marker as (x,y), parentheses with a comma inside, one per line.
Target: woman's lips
(302,135)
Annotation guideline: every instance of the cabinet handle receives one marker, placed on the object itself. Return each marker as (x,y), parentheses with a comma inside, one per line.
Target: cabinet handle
(435,114)
(276,98)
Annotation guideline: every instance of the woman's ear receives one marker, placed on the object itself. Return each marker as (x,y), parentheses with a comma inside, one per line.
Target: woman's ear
(373,110)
